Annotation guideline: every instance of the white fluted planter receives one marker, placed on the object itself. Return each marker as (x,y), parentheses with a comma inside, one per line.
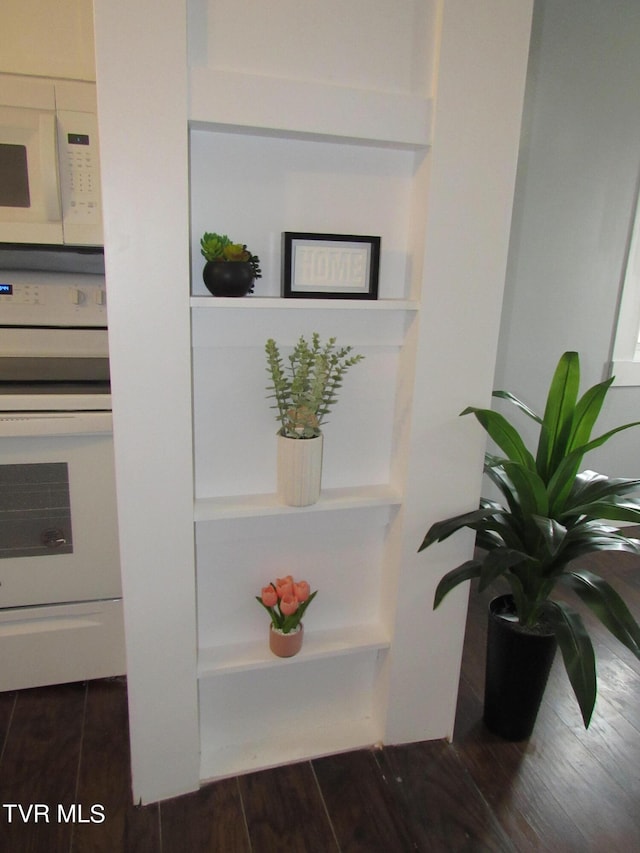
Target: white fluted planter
(299,470)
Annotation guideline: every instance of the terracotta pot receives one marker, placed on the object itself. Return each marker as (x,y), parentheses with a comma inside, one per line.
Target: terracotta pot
(285,645)
(299,470)
(518,666)
(228,278)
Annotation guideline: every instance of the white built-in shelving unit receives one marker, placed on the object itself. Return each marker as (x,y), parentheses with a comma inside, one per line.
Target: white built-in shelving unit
(384,118)
(273,153)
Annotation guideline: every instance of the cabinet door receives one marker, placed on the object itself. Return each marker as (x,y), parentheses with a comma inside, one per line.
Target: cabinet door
(58,43)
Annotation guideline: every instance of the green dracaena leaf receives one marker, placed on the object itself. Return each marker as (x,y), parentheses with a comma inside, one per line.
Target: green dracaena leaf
(586,413)
(441,530)
(590,486)
(589,537)
(504,434)
(464,572)
(613,509)
(557,421)
(496,530)
(607,605)
(553,533)
(531,491)
(562,481)
(507,395)
(577,653)
(496,473)
(497,563)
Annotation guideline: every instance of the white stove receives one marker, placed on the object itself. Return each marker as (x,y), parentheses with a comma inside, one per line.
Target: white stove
(60,591)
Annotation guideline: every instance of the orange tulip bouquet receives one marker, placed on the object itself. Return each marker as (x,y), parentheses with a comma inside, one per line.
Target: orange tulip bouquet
(286,602)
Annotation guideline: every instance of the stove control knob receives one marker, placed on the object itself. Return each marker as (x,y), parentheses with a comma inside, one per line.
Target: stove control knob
(53,537)
(76,296)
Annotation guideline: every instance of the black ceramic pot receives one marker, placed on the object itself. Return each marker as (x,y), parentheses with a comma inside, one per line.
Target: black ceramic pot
(518,666)
(228,278)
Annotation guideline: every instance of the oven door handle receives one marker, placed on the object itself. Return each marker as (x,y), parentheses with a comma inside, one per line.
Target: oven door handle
(26,424)
(53,537)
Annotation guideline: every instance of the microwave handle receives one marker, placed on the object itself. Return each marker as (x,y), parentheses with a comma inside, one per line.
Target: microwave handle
(49,166)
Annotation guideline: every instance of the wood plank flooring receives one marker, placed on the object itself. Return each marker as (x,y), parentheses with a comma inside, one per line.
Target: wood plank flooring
(564,790)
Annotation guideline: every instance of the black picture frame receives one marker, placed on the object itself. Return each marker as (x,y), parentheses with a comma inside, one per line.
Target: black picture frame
(330,266)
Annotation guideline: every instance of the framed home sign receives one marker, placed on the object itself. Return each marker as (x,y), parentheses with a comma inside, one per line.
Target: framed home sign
(330,266)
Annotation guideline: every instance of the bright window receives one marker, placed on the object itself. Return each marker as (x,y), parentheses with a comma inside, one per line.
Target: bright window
(626,350)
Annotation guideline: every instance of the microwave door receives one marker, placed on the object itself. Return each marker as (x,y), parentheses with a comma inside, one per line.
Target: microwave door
(30,209)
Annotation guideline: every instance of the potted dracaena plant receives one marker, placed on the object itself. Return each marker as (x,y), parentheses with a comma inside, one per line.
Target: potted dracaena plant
(552,516)
(230,268)
(305,388)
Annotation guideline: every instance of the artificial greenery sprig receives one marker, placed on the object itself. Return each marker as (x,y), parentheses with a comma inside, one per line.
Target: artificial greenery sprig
(306,389)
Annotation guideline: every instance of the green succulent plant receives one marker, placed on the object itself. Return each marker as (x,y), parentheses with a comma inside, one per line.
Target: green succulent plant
(218,247)
(306,388)
(552,516)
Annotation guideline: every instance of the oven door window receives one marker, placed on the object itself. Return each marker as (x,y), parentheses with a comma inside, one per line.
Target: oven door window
(35,510)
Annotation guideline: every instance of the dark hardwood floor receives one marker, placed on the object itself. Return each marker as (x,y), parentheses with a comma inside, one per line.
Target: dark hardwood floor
(566,789)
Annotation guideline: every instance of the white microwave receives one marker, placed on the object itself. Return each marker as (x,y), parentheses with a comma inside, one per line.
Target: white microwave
(49,162)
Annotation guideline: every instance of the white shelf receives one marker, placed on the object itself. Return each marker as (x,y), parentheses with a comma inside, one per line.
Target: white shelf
(252,506)
(262,103)
(280,304)
(223,660)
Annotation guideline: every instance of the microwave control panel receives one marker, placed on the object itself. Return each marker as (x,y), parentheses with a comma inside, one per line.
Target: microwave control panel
(79,159)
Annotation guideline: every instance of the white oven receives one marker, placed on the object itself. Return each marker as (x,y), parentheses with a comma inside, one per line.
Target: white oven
(60,592)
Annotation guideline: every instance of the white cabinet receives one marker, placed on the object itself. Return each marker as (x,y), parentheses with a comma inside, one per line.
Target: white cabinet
(47,38)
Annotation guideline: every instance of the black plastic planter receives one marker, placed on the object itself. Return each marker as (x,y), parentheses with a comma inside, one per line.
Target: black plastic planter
(228,278)
(518,666)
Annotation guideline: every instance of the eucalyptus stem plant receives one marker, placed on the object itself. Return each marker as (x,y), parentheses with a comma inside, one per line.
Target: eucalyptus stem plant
(305,386)
(552,517)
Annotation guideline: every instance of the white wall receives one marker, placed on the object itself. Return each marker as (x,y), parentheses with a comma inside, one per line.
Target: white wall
(577,177)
